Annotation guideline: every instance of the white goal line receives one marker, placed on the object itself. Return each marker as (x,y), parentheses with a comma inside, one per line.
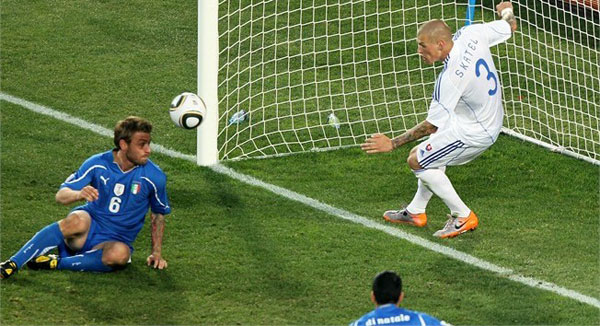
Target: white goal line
(341,213)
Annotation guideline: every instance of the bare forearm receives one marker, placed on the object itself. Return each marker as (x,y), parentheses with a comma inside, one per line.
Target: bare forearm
(158,228)
(417,132)
(67,196)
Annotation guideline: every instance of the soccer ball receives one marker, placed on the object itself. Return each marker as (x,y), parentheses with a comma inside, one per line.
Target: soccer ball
(187,110)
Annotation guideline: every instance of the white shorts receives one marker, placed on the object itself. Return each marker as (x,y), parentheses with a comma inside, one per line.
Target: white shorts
(444,148)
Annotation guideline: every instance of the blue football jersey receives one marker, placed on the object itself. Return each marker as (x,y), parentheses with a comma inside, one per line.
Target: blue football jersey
(392,315)
(123,197)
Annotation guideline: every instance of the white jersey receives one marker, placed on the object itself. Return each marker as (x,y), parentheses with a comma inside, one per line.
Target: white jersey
(468,97)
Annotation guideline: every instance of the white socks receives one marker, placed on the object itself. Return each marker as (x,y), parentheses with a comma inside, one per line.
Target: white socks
(422,197)
(437,181)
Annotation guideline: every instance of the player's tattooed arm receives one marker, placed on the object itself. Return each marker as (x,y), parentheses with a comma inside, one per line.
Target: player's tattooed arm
(417,132)
(380,143)
(158,227)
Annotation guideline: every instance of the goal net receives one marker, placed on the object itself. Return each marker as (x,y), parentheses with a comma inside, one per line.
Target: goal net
(551,77)
(298,76)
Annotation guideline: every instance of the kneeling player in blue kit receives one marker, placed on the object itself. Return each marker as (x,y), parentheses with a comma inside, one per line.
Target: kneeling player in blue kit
(387,295)
(118,186)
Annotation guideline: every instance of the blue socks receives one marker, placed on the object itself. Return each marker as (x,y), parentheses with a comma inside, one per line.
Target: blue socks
(46,239)
(89,261)
(49,238)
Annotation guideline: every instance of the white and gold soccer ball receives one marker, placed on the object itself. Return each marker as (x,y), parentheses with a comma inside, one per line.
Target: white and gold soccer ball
(187,110)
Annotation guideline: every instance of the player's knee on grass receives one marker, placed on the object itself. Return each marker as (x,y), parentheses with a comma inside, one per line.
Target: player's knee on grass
(412,160)
(74,224)
(116,255)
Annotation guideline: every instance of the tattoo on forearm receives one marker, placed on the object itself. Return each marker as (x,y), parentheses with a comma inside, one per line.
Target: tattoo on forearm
(417,132)
(397,142)
(158,228)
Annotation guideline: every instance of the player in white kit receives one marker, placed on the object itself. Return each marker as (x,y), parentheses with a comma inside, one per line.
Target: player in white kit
(464,118)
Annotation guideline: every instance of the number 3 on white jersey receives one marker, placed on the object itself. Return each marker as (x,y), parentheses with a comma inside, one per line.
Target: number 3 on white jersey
(490,75)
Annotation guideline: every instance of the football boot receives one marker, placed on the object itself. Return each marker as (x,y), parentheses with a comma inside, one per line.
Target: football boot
(404,216)
(7,269)
(49,262)
(457,225)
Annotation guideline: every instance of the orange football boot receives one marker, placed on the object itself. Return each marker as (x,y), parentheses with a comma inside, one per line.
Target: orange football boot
(404,216)
(458,225)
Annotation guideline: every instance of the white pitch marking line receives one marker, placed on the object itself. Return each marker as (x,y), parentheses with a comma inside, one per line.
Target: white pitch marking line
(446,251)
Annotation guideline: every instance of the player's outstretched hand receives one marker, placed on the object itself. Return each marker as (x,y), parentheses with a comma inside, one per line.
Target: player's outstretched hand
(505,11)
(503,5)
(156,261)
(88,193)
(378,143)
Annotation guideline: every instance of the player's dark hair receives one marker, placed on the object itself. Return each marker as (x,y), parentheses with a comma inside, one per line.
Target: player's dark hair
(387,287)
(128,126)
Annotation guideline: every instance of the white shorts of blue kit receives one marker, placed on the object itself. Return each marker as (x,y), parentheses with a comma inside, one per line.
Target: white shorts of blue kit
(444,148)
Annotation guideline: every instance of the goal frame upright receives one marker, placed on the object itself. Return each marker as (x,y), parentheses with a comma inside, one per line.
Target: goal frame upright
(207,78)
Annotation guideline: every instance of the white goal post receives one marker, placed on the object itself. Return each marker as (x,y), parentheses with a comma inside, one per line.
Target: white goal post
(283,77)
(208,70)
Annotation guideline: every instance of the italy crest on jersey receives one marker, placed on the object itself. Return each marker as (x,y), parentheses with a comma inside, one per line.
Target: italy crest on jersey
(135,187)
(119,189)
